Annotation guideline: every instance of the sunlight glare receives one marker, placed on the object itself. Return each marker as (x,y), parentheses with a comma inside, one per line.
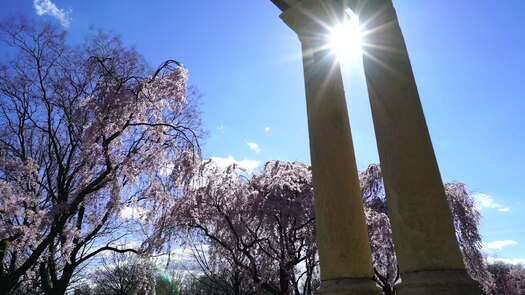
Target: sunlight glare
(345,38)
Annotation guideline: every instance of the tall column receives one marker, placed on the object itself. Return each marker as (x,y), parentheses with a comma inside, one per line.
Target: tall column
(427,250)
(344,250)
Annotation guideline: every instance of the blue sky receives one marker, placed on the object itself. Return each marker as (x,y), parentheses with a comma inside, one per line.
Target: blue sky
(468,58)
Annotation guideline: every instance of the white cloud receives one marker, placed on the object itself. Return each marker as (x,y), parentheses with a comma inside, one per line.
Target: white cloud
(182,258)
(220,127)
(248,165)
(498,245)
(487,202)
(254,147)
(46,7)
(166,169)
(267,129)
(514,261)
(128,245)
(137,213)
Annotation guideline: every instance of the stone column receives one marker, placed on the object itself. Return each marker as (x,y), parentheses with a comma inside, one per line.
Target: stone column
(344,250)
(427,250)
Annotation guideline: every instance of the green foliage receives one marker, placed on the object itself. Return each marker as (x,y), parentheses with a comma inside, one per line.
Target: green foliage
(165,286)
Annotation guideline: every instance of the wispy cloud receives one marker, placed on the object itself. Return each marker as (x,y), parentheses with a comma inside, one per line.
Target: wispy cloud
(248,165)
(182,260)
(220,127)
(487,202)
(166,170)
(46,7)
(137,213)
(498,245)
(267,129)
(254,147)
(514,261)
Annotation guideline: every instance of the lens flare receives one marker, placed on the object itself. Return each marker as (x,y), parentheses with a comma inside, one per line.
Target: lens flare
(344,39)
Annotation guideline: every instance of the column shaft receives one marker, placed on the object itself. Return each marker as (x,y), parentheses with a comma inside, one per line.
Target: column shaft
(344,249)
(422,224)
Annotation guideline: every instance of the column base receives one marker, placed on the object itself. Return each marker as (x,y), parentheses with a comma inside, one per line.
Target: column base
(444,282)
(349,287)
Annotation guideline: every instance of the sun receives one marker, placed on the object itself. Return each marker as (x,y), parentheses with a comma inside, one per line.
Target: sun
(344,39)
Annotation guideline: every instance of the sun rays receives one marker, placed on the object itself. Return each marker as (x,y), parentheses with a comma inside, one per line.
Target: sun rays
(345,38)
(342,38)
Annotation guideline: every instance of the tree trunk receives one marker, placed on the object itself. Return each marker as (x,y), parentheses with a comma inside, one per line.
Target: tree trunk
(284,281)
(60,286)
(388,290)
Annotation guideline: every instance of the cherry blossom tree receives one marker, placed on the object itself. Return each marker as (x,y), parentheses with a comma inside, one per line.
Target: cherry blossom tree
(508,279)
(220,274)
(263,225)
(260,225)
(85,131)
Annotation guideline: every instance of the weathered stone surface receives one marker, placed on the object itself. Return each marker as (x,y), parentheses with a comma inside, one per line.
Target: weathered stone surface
(438,283)
(349,287)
